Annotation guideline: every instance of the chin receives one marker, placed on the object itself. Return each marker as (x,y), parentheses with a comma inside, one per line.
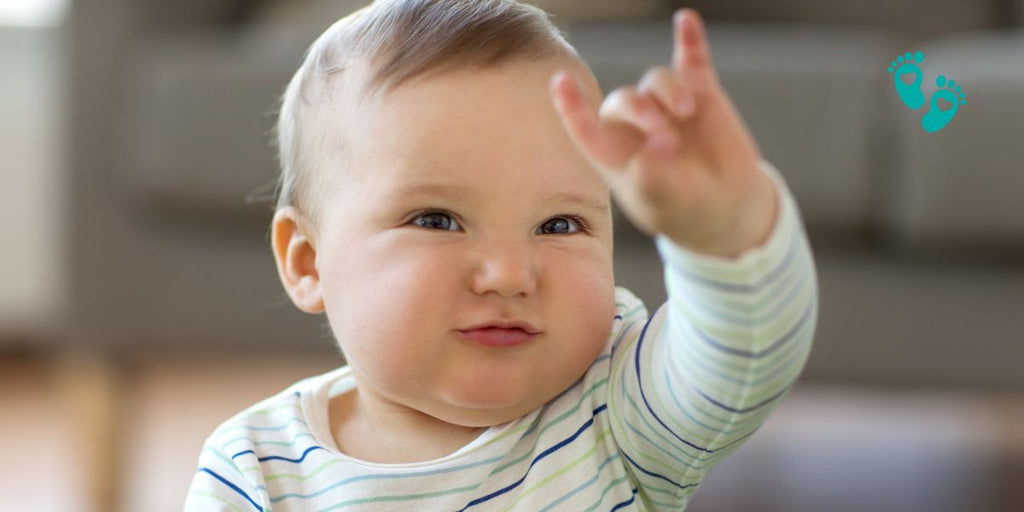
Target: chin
(485,410)
(488,417)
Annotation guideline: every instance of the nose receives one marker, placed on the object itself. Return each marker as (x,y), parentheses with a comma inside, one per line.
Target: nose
(506,267)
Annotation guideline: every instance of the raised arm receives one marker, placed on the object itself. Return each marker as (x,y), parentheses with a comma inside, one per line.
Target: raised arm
(700,376)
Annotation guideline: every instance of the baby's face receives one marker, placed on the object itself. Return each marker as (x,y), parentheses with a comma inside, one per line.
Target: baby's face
(462,209)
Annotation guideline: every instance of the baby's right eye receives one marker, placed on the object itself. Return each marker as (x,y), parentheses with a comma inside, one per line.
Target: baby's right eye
(436,220)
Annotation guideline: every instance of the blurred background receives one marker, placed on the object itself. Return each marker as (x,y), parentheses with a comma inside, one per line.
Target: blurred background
(140,306)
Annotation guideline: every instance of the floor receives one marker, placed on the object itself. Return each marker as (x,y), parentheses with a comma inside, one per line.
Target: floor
(825,448)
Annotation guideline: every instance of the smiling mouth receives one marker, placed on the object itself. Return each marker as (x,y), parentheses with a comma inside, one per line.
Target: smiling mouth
(498,337)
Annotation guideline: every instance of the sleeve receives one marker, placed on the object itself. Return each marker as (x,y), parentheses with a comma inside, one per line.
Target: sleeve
(219,484)
(691,383)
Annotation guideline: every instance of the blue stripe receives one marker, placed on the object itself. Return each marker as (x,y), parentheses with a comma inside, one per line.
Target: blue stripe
(537,459)
(643,395)
(655,475)
(726,316)
(640,385)
(769,369)
(232,486)
(665,441)
(625,503)
(278,457)
(386,476)
(751,408)
(582,486)
(679,404)
(660,446)
(774,346)
(286,459)
(239,454)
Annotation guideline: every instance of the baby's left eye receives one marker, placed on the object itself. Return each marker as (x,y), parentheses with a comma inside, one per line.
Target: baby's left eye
(562,225)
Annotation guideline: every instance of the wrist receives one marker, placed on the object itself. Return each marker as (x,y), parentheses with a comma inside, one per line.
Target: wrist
(750,228)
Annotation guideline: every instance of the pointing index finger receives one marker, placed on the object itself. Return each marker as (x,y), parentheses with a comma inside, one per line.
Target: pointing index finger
(690,45)
(678,50)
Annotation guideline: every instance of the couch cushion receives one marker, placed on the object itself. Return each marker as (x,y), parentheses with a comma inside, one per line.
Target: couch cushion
(198,127)
(321,13)
(163,16)
(960,188)
(592,10)
(315,15)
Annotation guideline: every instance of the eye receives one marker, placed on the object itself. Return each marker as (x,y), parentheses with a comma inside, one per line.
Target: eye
(436,220)
(567,225)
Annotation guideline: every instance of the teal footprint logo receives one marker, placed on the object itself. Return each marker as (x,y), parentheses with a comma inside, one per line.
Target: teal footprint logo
(936,118)
(910,93)
(912,96)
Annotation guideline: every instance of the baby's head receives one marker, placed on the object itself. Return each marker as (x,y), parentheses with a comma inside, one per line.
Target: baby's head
(428,187)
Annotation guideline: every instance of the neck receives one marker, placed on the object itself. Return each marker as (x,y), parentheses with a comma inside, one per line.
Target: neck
(373,429)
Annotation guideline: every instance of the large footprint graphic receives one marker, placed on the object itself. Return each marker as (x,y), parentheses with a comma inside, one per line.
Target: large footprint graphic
(937,118)
(910,93)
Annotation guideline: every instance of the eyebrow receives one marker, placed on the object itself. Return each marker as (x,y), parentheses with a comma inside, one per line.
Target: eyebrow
(454,191)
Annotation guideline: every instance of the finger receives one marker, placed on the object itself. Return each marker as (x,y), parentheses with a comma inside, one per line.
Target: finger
(598,141)
(666,86)
(691,46)
(630,106)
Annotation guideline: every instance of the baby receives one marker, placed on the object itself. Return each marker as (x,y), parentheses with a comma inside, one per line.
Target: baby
(447,172)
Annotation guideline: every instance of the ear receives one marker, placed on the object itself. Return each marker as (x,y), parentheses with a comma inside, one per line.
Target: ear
(296,260)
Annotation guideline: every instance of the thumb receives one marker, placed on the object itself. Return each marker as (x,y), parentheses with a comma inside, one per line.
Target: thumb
(606,146)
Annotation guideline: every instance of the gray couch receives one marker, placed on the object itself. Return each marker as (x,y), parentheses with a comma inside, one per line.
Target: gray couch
(919,237)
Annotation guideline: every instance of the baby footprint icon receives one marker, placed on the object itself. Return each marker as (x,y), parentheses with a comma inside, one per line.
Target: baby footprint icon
(910,93)
(937,118)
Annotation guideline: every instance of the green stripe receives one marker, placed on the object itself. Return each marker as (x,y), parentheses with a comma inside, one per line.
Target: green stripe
(656,339)
(556,474)
(227,462)
(315,472)
(271,443)
(551,424)
(613,483)
(651,429)
(617,373)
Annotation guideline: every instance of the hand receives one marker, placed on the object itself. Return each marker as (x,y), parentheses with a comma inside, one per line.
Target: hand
(675,152)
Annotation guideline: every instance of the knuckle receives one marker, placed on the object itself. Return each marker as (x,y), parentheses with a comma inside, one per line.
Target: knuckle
(619,100)
(650,77)
(661,82)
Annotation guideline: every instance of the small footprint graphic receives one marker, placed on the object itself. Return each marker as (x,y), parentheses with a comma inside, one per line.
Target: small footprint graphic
(910,93)
(937,118)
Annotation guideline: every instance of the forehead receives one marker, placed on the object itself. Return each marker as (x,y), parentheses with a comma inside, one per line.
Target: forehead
(488,126)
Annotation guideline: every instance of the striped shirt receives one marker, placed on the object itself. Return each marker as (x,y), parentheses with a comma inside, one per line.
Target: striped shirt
(670,396)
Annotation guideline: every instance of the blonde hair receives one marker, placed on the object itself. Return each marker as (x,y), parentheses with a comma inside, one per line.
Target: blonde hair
(398,40)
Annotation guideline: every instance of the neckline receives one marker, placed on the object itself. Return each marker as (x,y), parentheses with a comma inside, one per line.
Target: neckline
(314,399)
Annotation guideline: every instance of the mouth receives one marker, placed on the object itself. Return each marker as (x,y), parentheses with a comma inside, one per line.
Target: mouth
(498,337)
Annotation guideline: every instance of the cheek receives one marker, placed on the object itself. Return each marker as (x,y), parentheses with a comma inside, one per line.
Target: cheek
(587,288)
(381,302)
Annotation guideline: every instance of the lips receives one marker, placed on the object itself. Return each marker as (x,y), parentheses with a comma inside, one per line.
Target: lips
(498,337)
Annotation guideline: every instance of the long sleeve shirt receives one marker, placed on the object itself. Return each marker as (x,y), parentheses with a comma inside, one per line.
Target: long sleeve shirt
(670,395)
